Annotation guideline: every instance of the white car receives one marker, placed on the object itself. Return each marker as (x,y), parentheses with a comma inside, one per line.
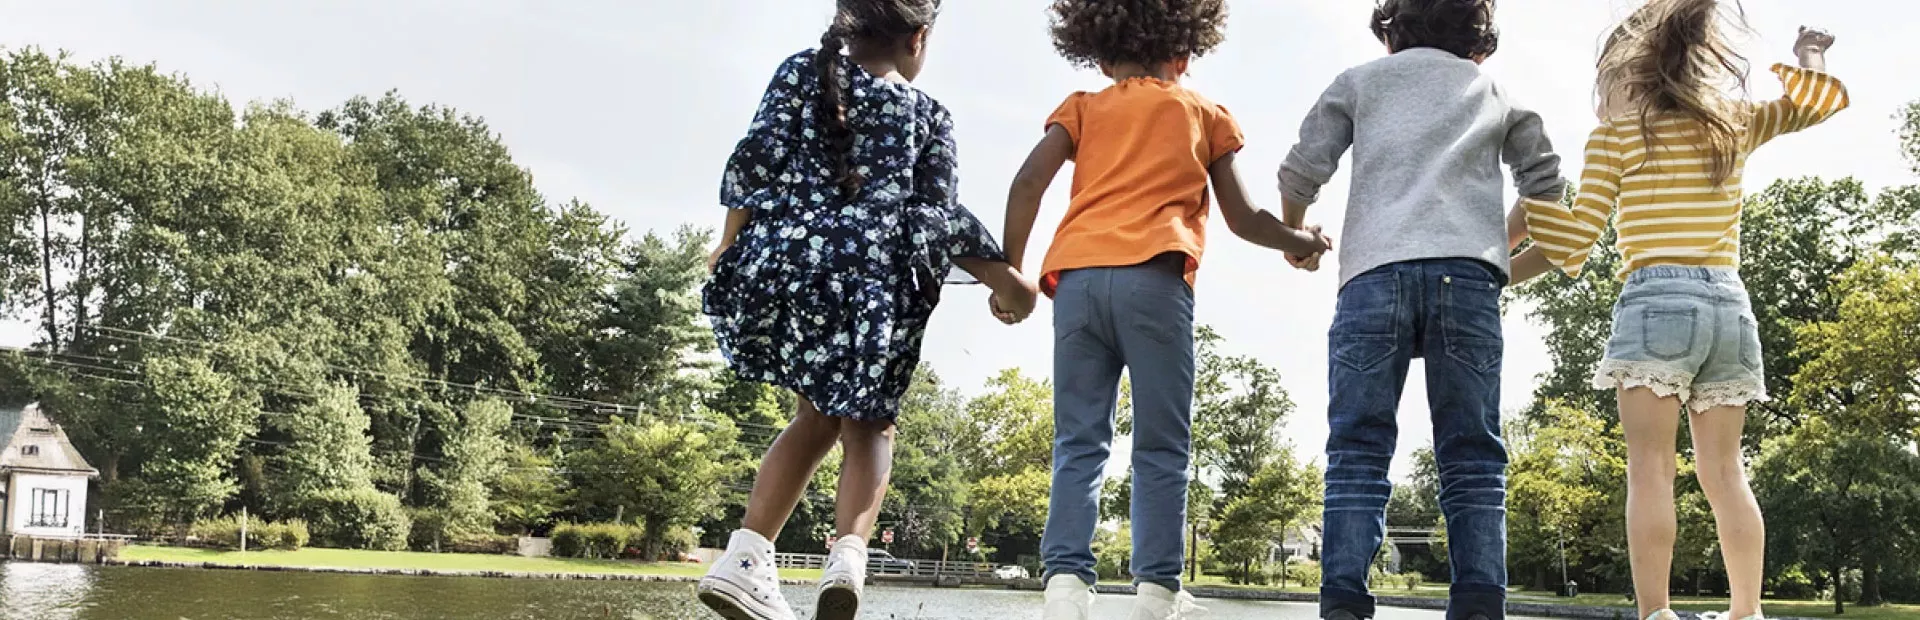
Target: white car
(1010,572)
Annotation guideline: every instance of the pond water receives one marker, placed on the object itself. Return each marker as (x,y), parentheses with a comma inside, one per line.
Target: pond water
(73,592)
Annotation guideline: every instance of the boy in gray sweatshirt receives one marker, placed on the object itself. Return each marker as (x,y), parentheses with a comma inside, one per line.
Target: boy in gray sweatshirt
(1422,263)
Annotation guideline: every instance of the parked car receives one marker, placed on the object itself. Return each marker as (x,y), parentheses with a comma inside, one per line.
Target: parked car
(1011,572)
(879,561)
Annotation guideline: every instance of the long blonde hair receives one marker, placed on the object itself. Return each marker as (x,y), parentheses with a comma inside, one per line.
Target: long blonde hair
(1671,59)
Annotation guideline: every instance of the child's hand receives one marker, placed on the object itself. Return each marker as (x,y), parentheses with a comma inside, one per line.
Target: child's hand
(1014,303)
(1812,40)
(714,258)
(1311,262)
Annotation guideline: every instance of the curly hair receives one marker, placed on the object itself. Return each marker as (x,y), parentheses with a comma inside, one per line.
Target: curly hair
(1089,33)
(1672,58)
(862,20)
(1462,27)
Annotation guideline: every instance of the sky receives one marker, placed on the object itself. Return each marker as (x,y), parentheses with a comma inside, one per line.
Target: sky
(633,107)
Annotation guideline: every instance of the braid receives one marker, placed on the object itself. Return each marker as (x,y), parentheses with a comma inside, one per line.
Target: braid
(833,106)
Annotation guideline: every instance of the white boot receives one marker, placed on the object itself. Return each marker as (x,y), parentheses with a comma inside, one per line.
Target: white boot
(1156,602)
(744,584)
(1068,598)
(843,580)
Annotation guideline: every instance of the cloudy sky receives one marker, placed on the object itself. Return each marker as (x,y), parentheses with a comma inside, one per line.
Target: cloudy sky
(633,107)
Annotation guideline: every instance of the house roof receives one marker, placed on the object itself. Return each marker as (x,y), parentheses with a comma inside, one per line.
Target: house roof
(27,426)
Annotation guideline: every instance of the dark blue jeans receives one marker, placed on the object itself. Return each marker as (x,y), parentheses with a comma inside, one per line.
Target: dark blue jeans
(1448,312)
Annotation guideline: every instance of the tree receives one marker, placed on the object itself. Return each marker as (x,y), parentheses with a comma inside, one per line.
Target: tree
(195,439)
(1007,450)
(1863,368)
(1563,470)
(652,327)
(928,501)
(456,496)
(1282,495)
(666,475)
(529,490)
(325,447)
(1839,498)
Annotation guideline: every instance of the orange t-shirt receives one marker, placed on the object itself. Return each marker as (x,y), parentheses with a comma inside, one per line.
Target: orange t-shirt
(1141,152)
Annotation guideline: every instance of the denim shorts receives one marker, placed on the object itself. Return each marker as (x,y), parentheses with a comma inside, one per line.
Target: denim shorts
(1687,332)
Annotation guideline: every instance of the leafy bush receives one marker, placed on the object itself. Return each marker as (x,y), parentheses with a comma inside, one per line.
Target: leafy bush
(293,535)
(595,540)
(357,519)
(1304,574)
(224,532)
(569,540)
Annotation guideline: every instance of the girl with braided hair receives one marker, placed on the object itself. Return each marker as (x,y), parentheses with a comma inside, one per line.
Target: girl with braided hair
(843,224)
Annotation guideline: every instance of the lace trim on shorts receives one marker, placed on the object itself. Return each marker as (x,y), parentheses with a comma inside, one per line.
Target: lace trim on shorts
(1662,379)
(1727,394)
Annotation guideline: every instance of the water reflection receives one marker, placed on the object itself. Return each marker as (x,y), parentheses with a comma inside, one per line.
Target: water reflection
(66,592)
(44,591)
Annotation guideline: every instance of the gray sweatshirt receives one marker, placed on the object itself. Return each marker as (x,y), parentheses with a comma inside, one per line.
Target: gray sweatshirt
(1428,132)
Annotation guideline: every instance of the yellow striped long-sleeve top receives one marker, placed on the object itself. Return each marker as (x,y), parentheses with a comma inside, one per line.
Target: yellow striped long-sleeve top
(1669,211)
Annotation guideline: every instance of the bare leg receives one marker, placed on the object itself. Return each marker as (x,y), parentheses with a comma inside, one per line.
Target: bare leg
(866,465)
(1743,533)
(787,468)
(1651,424)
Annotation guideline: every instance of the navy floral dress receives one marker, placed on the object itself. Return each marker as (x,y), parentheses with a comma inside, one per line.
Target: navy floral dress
(825,293)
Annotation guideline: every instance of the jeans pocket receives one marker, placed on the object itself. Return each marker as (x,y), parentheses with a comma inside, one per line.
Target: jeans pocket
(1368,306)
(1071,305)
(1160,306)
(1750,350)
(1363,353)
(1470,320)
(1667,333)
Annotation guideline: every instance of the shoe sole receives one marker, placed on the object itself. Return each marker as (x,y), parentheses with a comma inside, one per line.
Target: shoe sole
(728,607)
(837,604)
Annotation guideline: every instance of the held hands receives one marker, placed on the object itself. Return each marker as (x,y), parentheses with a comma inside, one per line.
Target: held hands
(1311,261)
(1013,303)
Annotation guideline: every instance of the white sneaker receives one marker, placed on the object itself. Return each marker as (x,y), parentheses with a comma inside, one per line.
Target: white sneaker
(843,580)
(744,584)
(1068,598)
(1663,614)
(1155,602)
(1725,615)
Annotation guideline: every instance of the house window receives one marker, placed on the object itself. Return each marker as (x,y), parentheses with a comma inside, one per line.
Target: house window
(49,508)
(29,450)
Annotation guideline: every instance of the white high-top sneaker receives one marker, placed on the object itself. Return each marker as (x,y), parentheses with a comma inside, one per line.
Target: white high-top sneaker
(1068,598)
(1156,602)
(744,584)
(843,580)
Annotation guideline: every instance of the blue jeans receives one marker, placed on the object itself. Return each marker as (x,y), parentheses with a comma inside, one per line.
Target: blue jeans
(1448,312)
(1139,318)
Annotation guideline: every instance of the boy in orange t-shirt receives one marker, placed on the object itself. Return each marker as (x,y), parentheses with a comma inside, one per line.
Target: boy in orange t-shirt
(1120,272)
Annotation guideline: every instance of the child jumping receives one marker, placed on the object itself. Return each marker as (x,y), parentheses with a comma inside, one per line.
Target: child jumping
(843,225)
(1120,272)
(1668,158)
(1421,269)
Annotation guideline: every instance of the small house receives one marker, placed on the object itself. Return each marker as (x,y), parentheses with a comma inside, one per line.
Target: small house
(45,479)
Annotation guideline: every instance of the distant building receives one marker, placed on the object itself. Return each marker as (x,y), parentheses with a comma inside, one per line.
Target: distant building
(45,491)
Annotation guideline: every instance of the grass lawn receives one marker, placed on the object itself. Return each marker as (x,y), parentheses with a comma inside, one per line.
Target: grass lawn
(346,558)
